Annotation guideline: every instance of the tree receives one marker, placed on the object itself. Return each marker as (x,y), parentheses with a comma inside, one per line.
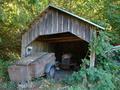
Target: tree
(15,17)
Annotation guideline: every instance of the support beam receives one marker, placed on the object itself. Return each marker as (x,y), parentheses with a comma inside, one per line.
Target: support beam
(59,39)
(92,53)
(92,59)
(64,40)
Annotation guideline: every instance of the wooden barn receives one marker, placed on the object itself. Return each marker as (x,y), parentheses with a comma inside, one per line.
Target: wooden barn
(59,31)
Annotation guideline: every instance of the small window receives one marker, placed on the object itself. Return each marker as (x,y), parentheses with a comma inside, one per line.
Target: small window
(28,50)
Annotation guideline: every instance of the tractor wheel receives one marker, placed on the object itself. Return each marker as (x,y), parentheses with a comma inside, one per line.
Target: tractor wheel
(51,73)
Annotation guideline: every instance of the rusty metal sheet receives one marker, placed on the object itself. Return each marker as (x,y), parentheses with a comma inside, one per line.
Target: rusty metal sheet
(33,69)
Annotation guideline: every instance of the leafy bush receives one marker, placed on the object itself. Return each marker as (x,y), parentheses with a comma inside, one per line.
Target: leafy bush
(92,78)
(3,70)
(78,87)
(8,86)
(106,54)
(108,58)
(117,82)
(105,76)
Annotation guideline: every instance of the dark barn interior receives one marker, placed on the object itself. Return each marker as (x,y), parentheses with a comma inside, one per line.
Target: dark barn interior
(78,49)
(66,43)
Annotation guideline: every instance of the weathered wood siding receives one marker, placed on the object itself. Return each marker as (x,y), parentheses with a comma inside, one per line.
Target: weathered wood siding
(39,46)
(54,21)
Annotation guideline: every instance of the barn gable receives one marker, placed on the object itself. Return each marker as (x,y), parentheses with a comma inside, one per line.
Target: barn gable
(54,20)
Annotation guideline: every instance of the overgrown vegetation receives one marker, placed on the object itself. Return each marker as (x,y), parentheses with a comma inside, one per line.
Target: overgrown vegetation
(3,70)
(92,79)
(16,15)
(8,86)
(105,76)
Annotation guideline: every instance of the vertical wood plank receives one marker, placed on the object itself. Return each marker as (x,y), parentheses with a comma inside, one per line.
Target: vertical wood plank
(80,30)
(91,34)
(45,22)
(30,35)
(54,22)
(59,22)
(65,23)
(49,23)
(68,23)
(42,27)
(36,30)
(75,27)
(27,37)
(22,47)
(83,31)
(72,25)
(62,30)
(87,33)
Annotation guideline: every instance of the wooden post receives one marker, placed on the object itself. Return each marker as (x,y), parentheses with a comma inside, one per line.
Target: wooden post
(92,53)
(92,59)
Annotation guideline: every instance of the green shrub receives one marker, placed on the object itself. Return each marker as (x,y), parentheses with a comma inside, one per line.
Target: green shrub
(117,82)
(105,75)
(92,79)
(8,86)
(77,88)
(3,70)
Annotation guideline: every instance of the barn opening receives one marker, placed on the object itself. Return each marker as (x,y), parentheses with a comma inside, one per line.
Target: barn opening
(61,44)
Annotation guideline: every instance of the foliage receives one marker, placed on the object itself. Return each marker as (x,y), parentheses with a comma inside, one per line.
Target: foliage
(15,17)
(112,14)
(8,86)
(117,82)
(106,54)
(3,70)
(105,76)
(100,44)
(92,79)
(78,87)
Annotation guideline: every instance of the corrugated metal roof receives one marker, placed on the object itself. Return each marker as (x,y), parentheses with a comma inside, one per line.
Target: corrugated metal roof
(76,16)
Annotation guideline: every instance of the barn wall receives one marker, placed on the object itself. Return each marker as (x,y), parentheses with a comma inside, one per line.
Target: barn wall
(54,21)
(38,47)
(77,49)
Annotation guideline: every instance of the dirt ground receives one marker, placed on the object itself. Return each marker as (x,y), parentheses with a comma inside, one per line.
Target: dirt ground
(45,83)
